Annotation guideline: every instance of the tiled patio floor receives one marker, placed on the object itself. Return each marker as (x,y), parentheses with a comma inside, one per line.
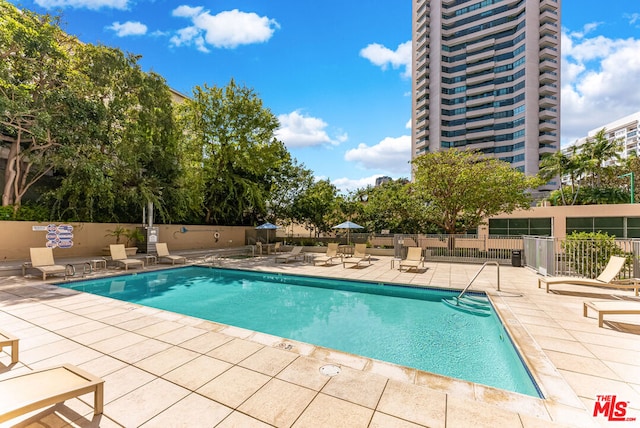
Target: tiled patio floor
(162,369)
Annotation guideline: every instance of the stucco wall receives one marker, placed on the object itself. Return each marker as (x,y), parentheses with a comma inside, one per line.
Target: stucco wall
(560,214)
(89,238)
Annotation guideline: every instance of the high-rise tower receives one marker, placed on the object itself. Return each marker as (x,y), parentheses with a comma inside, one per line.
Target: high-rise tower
(486,76)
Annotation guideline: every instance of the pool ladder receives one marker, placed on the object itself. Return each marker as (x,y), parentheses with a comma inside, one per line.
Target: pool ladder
(478,273)
(474,305)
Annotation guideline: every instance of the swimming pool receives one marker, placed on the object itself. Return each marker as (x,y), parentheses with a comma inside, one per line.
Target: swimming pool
(399,324)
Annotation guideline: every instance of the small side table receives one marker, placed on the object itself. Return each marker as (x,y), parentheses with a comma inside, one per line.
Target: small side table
(25,266)
(394,261)
(7,339)
(96,263)
(150,259)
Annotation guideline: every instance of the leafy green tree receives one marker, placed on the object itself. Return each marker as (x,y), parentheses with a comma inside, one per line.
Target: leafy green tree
(34,65)
(559,164)
(315,207)
(123,149)
(394,206)
(594,169)
(291,181)
(347,207)
(590,195)
(463,188)
(232,155)
(596,155)
(631,164)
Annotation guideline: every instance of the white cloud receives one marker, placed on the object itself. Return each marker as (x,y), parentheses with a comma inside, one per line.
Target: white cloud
(298,130)
(599,80)
(391,155)
(347,184)
(185,11)
(383,57)
(187,36)
(634,18)
(129,28)
(228,29)
(586,29)
(84,4)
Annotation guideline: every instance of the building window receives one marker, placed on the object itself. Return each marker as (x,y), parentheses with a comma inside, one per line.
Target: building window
(620,227)
(520,226)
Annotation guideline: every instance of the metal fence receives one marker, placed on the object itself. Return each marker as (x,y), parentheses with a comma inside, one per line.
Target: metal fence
(461,248)
(584,258)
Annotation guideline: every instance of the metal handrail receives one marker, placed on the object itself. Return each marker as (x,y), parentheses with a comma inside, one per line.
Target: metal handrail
(476,275)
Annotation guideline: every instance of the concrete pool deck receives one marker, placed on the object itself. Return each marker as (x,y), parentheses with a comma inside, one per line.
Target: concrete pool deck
(165,369)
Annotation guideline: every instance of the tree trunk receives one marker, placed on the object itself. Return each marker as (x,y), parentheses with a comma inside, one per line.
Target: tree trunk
(10,173)
(451,244)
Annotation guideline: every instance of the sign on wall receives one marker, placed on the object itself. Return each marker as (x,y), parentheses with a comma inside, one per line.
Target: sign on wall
(60,236)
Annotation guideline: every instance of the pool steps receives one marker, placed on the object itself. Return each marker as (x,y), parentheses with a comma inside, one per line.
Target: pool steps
(469,304)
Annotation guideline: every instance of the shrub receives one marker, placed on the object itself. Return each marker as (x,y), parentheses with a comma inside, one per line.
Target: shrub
(28,212)
(587,253)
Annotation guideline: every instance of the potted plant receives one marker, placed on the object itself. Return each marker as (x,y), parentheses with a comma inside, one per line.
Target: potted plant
(130,236)
(133,236)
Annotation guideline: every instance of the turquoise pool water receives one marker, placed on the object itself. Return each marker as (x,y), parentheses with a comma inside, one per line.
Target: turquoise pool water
(402,325)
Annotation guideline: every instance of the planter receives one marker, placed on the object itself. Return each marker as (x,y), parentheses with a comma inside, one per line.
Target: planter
(131,251)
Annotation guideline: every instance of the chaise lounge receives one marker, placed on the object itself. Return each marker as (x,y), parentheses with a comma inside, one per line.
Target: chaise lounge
(359,255)
(291,255)
(42,259)
(26,392)
(119,255)
(7,339)
(605,279)
(332,253)
(163,254)
(413,260)
(621,307)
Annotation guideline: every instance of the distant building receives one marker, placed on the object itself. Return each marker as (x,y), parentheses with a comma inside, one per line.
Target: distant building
(486,76)
(381,180)
(625,129)
(177,97)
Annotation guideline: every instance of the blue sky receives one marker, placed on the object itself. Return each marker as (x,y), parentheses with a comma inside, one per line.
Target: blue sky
(336,72)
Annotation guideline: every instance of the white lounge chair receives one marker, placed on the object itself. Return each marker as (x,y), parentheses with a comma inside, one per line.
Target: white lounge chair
(119,255)
(26,392)
(359,256)
(623,307)
(163,254)
(413,260)
(295,253)
(42,259)
(332,253)
(605,279)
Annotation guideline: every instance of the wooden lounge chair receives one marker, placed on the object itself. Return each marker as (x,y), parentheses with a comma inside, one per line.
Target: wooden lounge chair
(332,253)
(7,339)
(26,392)
(624,307)
(291,255)
(605,279)
(413,260)
(163,253)
(359,256)
(119,255)
(42,259)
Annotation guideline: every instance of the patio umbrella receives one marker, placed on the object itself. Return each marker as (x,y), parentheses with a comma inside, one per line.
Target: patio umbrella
(348,225)
(267,226)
